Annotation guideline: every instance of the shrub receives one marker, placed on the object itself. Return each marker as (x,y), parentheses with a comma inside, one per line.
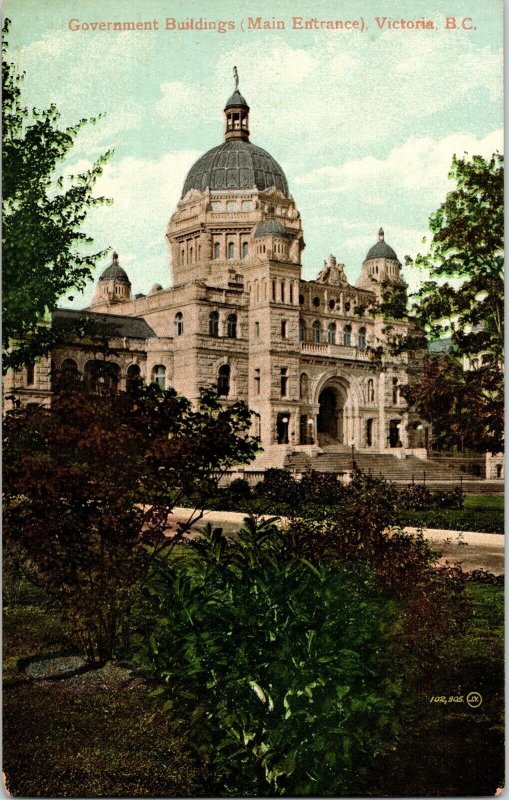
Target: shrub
(415,497)
(280,491)
(285,672)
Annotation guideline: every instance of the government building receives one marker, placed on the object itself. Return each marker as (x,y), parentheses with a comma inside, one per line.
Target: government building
(309,357)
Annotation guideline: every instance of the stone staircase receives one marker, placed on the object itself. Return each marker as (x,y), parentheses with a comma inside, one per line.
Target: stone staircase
(388,466)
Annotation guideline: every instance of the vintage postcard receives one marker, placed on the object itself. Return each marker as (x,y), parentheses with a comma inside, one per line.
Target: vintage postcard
(253,398)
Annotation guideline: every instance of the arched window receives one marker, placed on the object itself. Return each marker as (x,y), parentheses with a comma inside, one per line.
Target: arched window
(231,326)
(214,323)
(133,377)
(231,250)
(217,250)
(191,254)
(30,374)
(69,374)
(331,333)
(302,331)
(362,339)
(159,375)
(316,331)
(245,249)
(347,335)
(179,323)
(223,381)
(371,391)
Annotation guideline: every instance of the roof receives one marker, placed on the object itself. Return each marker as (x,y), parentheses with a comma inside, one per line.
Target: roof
(236,100)
(236,164)
(111,325)
(270,227)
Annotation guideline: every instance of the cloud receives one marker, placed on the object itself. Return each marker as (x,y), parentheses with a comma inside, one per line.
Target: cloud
(132,225)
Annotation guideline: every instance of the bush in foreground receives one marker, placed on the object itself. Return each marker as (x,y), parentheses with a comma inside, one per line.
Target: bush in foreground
(287,673)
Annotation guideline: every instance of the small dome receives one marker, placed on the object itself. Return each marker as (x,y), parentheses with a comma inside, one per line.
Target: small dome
(236,100)
(381,249)
(115,272)
(270,227)
(156,288)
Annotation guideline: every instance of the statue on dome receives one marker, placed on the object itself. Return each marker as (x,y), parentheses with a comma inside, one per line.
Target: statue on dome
(236,78)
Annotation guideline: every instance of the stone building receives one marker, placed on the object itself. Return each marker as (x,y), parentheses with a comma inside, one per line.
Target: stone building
(240,316)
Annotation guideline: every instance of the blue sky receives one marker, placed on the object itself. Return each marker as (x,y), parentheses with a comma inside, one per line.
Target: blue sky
(364,123)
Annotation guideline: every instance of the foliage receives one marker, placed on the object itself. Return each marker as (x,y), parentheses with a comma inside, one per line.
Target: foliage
(89,483)
(42,219)
(465,406)
(467,245)
(464,301)
(284,671)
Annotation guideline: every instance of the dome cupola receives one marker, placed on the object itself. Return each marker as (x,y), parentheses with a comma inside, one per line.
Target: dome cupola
(381,249)
(113,285)
(381,267)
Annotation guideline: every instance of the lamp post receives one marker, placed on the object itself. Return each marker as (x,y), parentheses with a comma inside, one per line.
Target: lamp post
(353,455)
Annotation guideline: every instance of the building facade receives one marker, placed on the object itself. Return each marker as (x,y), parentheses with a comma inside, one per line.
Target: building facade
(310,358)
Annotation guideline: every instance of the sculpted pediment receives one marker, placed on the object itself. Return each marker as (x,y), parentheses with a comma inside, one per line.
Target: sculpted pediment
(332,273)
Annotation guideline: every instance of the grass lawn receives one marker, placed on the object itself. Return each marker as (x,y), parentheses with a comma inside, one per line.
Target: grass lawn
(480,513)
(88,741)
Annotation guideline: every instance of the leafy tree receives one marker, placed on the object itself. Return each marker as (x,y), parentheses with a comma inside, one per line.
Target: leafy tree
(467,247)
(463,300)
(89,484)
(43,240)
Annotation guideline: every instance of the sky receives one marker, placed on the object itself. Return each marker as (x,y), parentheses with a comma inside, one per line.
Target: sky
(363,121)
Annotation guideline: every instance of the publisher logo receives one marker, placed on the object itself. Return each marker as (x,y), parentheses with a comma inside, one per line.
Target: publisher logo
(474,699)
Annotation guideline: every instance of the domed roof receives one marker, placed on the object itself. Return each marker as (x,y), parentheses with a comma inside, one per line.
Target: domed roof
(115,272)
(381,249)
(236,164)
(236,100)
(270,227)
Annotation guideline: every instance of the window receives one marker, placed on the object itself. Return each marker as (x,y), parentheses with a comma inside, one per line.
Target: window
(283,292)
(273,291)
(301,299)
(223,381)
(159,376)
(191,254)
(284,381)
(245,249)
(231,205)
(69,371)
(133,376)
(231,326)
(291,293)
(347,307)
(394,391)
(30,374)
(101,376)
(362,339)
(347,335)
(371,391)
(332,304)
(231,251)
(369,433)
(331,333)
(257,380)
(217,250)
(257,329)
(179,324)
(304,386)
(316,302)
(316,331)
(284,326)
(214,323)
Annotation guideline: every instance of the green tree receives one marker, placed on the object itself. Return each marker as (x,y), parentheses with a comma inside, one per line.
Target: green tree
(460,390)
(43,241)
(88,487)
(467,248)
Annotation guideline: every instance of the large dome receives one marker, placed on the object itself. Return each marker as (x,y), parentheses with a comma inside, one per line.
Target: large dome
(236,164)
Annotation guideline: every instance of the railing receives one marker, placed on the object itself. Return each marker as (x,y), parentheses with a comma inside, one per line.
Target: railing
(335,350)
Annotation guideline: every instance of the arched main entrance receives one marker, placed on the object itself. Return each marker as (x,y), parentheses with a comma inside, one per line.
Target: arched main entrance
(330,416)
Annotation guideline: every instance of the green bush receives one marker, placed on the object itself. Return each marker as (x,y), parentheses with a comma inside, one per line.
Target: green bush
(286,673)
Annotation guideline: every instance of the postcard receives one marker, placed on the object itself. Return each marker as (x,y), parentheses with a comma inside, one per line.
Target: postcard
(253,398)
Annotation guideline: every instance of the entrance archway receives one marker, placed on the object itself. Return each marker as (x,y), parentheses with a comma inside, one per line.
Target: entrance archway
(330,415)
